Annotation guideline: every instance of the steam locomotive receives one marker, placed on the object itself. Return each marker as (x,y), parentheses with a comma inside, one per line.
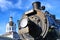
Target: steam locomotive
(37,25)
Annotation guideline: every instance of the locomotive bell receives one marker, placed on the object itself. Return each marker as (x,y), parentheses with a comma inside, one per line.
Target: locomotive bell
(36,5)
(42,8)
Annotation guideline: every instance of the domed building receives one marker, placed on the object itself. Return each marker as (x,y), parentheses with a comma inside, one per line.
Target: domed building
(11,31)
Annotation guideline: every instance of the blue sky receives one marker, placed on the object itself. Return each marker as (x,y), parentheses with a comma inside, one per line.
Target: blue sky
(16,9)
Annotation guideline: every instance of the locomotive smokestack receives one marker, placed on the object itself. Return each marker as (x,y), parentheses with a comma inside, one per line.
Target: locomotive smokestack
(36,5)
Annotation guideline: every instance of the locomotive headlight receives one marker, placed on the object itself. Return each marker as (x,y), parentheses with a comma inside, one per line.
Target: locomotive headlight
(24,22)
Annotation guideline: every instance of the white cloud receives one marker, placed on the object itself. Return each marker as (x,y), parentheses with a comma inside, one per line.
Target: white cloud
(18,4)
(23,5)
(47,5)
(5,5)
(2,4)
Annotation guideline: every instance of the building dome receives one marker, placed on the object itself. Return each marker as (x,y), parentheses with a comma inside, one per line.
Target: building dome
(10,26)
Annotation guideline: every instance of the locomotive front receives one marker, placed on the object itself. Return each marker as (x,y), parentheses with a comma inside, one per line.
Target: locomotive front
(35,23)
